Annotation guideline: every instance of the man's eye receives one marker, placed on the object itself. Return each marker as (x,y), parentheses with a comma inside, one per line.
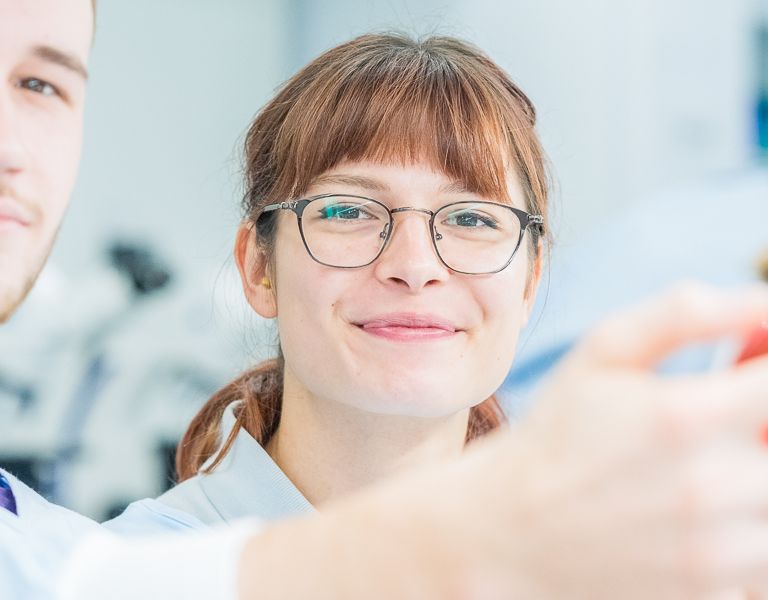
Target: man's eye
(39,86)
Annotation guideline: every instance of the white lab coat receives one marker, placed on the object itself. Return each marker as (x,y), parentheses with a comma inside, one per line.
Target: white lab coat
(50,553)
(247,484)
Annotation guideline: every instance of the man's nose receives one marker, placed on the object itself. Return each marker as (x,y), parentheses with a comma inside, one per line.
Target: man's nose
(12,153)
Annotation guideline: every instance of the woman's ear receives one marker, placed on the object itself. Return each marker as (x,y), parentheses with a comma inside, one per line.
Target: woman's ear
(534,279)
(252,265)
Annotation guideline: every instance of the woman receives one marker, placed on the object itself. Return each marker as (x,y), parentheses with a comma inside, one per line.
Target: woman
(394,226)
(394,215)
(395,220)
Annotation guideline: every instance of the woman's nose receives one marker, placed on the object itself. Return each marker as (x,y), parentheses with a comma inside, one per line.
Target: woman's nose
(409,258)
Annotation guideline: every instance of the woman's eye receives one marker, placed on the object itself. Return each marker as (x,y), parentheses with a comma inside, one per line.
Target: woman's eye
(338,211)
(39,86)
(471,220)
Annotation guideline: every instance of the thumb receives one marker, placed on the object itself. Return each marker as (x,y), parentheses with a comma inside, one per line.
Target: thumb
(689,313)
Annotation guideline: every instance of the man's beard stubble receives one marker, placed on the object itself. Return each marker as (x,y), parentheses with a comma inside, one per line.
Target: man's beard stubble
(12,296)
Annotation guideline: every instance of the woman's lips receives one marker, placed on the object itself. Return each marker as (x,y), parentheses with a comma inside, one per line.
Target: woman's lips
(408,327)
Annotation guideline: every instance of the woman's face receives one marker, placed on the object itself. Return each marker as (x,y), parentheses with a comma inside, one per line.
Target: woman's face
(404,335)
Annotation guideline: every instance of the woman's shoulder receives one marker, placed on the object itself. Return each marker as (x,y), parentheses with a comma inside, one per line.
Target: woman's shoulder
(191,497)
(156,515)
(246,484)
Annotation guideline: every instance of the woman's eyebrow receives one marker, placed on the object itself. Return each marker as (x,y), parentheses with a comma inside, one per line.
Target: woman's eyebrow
(360,181)
(63,59)
(455,187)
(375,185)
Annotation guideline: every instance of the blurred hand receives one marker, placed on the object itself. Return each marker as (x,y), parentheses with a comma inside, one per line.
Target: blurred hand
(625,484)
(620,485)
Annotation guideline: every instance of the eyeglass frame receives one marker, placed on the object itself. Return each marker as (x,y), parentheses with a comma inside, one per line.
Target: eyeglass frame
(298,206)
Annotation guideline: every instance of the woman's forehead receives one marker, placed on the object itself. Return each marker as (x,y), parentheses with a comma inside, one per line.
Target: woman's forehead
(384,177)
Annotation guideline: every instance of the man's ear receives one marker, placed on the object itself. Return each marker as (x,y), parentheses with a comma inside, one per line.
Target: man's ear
(534,279)
(252,265)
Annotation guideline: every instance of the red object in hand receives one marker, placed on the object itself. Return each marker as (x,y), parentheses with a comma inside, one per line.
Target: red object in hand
(757,345)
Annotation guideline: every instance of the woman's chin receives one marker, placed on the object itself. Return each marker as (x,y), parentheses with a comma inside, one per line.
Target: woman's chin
(418,401)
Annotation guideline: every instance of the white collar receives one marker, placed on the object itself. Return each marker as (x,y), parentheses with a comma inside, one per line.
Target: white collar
(247,483)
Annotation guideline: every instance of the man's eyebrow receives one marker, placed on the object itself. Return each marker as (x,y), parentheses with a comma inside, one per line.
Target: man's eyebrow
(63,59)
(360,181)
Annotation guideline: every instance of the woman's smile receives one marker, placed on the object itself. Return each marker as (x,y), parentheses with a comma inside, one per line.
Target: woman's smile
(409,327)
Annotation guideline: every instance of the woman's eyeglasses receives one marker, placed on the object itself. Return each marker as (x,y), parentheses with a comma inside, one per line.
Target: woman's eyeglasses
(347,231)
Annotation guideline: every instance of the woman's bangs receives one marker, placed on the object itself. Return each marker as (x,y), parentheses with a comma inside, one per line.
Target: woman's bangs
(457,131)
(437,135)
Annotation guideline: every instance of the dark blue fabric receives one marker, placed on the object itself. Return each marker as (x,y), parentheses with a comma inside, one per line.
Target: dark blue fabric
(7,499)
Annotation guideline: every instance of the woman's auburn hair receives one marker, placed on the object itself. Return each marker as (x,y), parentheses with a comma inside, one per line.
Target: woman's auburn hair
(384,98)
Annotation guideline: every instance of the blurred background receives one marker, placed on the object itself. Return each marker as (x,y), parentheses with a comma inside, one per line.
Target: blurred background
(654,116)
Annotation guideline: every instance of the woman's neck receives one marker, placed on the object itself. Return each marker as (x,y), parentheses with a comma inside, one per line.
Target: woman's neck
(329,449)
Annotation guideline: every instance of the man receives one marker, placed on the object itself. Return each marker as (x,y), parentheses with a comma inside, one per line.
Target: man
(490,525)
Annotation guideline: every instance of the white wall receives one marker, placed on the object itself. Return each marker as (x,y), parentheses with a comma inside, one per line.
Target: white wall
(632,96)
(173,86)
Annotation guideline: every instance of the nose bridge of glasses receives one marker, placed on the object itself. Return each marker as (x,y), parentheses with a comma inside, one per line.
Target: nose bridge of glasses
(424,211)
(388,229)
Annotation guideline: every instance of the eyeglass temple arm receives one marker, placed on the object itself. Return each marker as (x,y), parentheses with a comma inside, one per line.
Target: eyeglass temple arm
(280,206)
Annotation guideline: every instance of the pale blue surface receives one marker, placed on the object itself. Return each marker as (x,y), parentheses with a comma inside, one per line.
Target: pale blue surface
(710,232)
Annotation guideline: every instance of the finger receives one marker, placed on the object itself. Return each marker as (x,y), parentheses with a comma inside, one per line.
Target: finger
(731,594)
(740,553)
(725,480)
(740,594)
(734,402)
(748,386)
(719,562)
(642,336)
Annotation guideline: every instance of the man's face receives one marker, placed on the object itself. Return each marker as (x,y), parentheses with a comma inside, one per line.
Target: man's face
(44,46)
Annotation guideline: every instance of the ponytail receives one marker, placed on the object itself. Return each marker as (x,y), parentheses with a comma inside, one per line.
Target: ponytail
(260,391)
(485,418)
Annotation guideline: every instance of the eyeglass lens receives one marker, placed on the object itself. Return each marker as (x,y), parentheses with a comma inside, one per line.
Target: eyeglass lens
(471,237)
